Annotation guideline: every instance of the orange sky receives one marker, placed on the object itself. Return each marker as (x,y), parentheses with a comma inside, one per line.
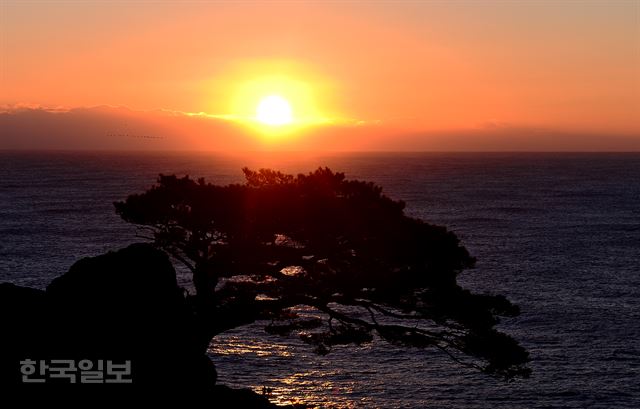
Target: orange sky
(376,70)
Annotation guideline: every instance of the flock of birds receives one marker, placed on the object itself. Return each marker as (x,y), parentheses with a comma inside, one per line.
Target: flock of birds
(125,133)
(128,135)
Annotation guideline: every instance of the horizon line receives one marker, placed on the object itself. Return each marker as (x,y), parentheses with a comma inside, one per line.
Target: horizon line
(315,152)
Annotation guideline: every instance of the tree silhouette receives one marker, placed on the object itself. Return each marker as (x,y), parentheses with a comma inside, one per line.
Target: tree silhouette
(339,247)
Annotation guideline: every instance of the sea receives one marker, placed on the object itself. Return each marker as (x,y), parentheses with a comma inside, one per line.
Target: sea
(557,233)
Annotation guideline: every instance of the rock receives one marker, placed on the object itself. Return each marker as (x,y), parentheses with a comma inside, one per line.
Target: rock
(22,321)
(120,306)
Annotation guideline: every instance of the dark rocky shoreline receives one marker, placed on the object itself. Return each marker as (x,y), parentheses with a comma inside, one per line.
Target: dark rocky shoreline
(120,306)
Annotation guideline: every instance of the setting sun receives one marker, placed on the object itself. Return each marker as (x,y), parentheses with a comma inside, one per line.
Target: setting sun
(274,110)
(277,100)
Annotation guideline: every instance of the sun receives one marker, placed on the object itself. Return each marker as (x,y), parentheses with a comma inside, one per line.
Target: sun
(277,101)
(274,110)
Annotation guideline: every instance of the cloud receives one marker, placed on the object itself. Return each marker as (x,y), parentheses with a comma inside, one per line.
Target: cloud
(25,106)
(25,126)
(116,128)
(30,126)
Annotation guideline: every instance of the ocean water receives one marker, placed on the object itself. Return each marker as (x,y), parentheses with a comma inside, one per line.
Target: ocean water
(559,234)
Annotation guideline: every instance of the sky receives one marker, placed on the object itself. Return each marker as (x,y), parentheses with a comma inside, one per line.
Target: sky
(365,75)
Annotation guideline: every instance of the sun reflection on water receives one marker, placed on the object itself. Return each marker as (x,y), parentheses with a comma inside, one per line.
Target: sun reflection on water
(308,380)
(288,372)
(238,346)
(299,388)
